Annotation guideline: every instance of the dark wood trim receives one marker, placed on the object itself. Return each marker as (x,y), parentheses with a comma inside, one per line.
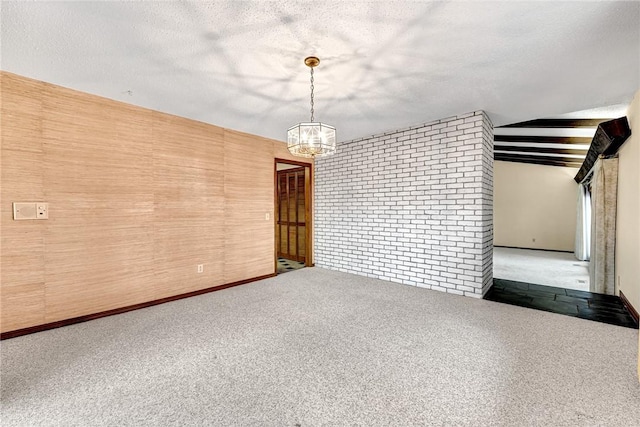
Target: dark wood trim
(542,139)
(627,304)
(543,158)
(539,160)
(607,140)
(293,258)
(276,214)
(86,318)
(557,123)
(288,210)
(543,150)
(532,249)
(297,210)
(307,217)
(299,169)
(293,162)
(308,208)
(299,224)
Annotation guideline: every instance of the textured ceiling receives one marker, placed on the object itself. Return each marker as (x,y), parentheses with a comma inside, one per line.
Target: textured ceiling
(385,64)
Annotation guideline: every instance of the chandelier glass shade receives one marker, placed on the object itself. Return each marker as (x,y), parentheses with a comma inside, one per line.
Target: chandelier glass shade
(311,139)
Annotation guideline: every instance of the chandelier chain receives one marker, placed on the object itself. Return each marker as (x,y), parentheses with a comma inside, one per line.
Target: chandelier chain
(312,95)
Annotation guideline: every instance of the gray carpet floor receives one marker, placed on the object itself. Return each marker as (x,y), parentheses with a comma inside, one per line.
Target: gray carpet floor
(316,347)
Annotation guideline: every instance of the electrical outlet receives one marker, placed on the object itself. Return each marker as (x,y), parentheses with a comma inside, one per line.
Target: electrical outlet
(200,268)
(42,210)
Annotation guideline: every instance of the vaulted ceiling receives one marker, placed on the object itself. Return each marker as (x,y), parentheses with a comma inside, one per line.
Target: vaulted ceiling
(384,65)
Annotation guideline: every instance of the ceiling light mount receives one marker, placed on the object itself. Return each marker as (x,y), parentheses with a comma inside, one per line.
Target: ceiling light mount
(311,61)
(311,139)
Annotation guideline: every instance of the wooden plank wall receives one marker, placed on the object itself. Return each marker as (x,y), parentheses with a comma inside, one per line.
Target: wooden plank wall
(137,199)
(98,181)
(22,243)
(249,246)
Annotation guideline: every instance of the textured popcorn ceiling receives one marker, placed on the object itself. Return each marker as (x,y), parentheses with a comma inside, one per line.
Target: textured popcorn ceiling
(385,64)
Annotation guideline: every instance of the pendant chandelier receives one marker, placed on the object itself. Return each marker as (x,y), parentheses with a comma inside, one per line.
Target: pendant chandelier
(312,139)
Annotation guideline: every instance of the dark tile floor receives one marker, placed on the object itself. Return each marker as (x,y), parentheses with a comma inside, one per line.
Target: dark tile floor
(585,305)
(285,265)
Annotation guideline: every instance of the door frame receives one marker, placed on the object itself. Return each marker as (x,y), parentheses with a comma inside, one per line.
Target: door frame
(308,210)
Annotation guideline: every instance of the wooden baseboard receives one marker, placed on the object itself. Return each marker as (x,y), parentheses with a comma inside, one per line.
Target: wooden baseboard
(629,307)
(86,318)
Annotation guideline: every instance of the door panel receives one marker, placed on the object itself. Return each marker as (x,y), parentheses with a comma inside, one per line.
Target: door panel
(292,208)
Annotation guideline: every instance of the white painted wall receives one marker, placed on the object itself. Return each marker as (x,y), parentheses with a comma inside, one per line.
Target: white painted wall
(411,206)
(534,206)
(628,220)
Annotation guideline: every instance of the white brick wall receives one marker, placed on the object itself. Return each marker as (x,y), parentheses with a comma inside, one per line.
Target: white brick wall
(414,206)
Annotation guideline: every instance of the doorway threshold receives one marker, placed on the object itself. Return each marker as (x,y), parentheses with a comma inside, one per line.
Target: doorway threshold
(585,305)
(286,265)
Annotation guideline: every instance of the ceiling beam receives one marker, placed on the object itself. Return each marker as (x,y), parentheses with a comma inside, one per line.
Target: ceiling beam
(607,140)
(542,150)
(557,123)
(540,160)
(543,139)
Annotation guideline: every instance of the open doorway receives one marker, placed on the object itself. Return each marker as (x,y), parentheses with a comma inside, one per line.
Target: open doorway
(535,214)
(535,262)
(542,224)
(543,176)
(292,215)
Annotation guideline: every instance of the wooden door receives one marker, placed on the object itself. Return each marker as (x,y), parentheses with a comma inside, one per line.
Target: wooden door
(291,226)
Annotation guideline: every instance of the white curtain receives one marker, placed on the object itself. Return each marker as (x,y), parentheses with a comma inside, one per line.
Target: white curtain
(604,195)
(583,224)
